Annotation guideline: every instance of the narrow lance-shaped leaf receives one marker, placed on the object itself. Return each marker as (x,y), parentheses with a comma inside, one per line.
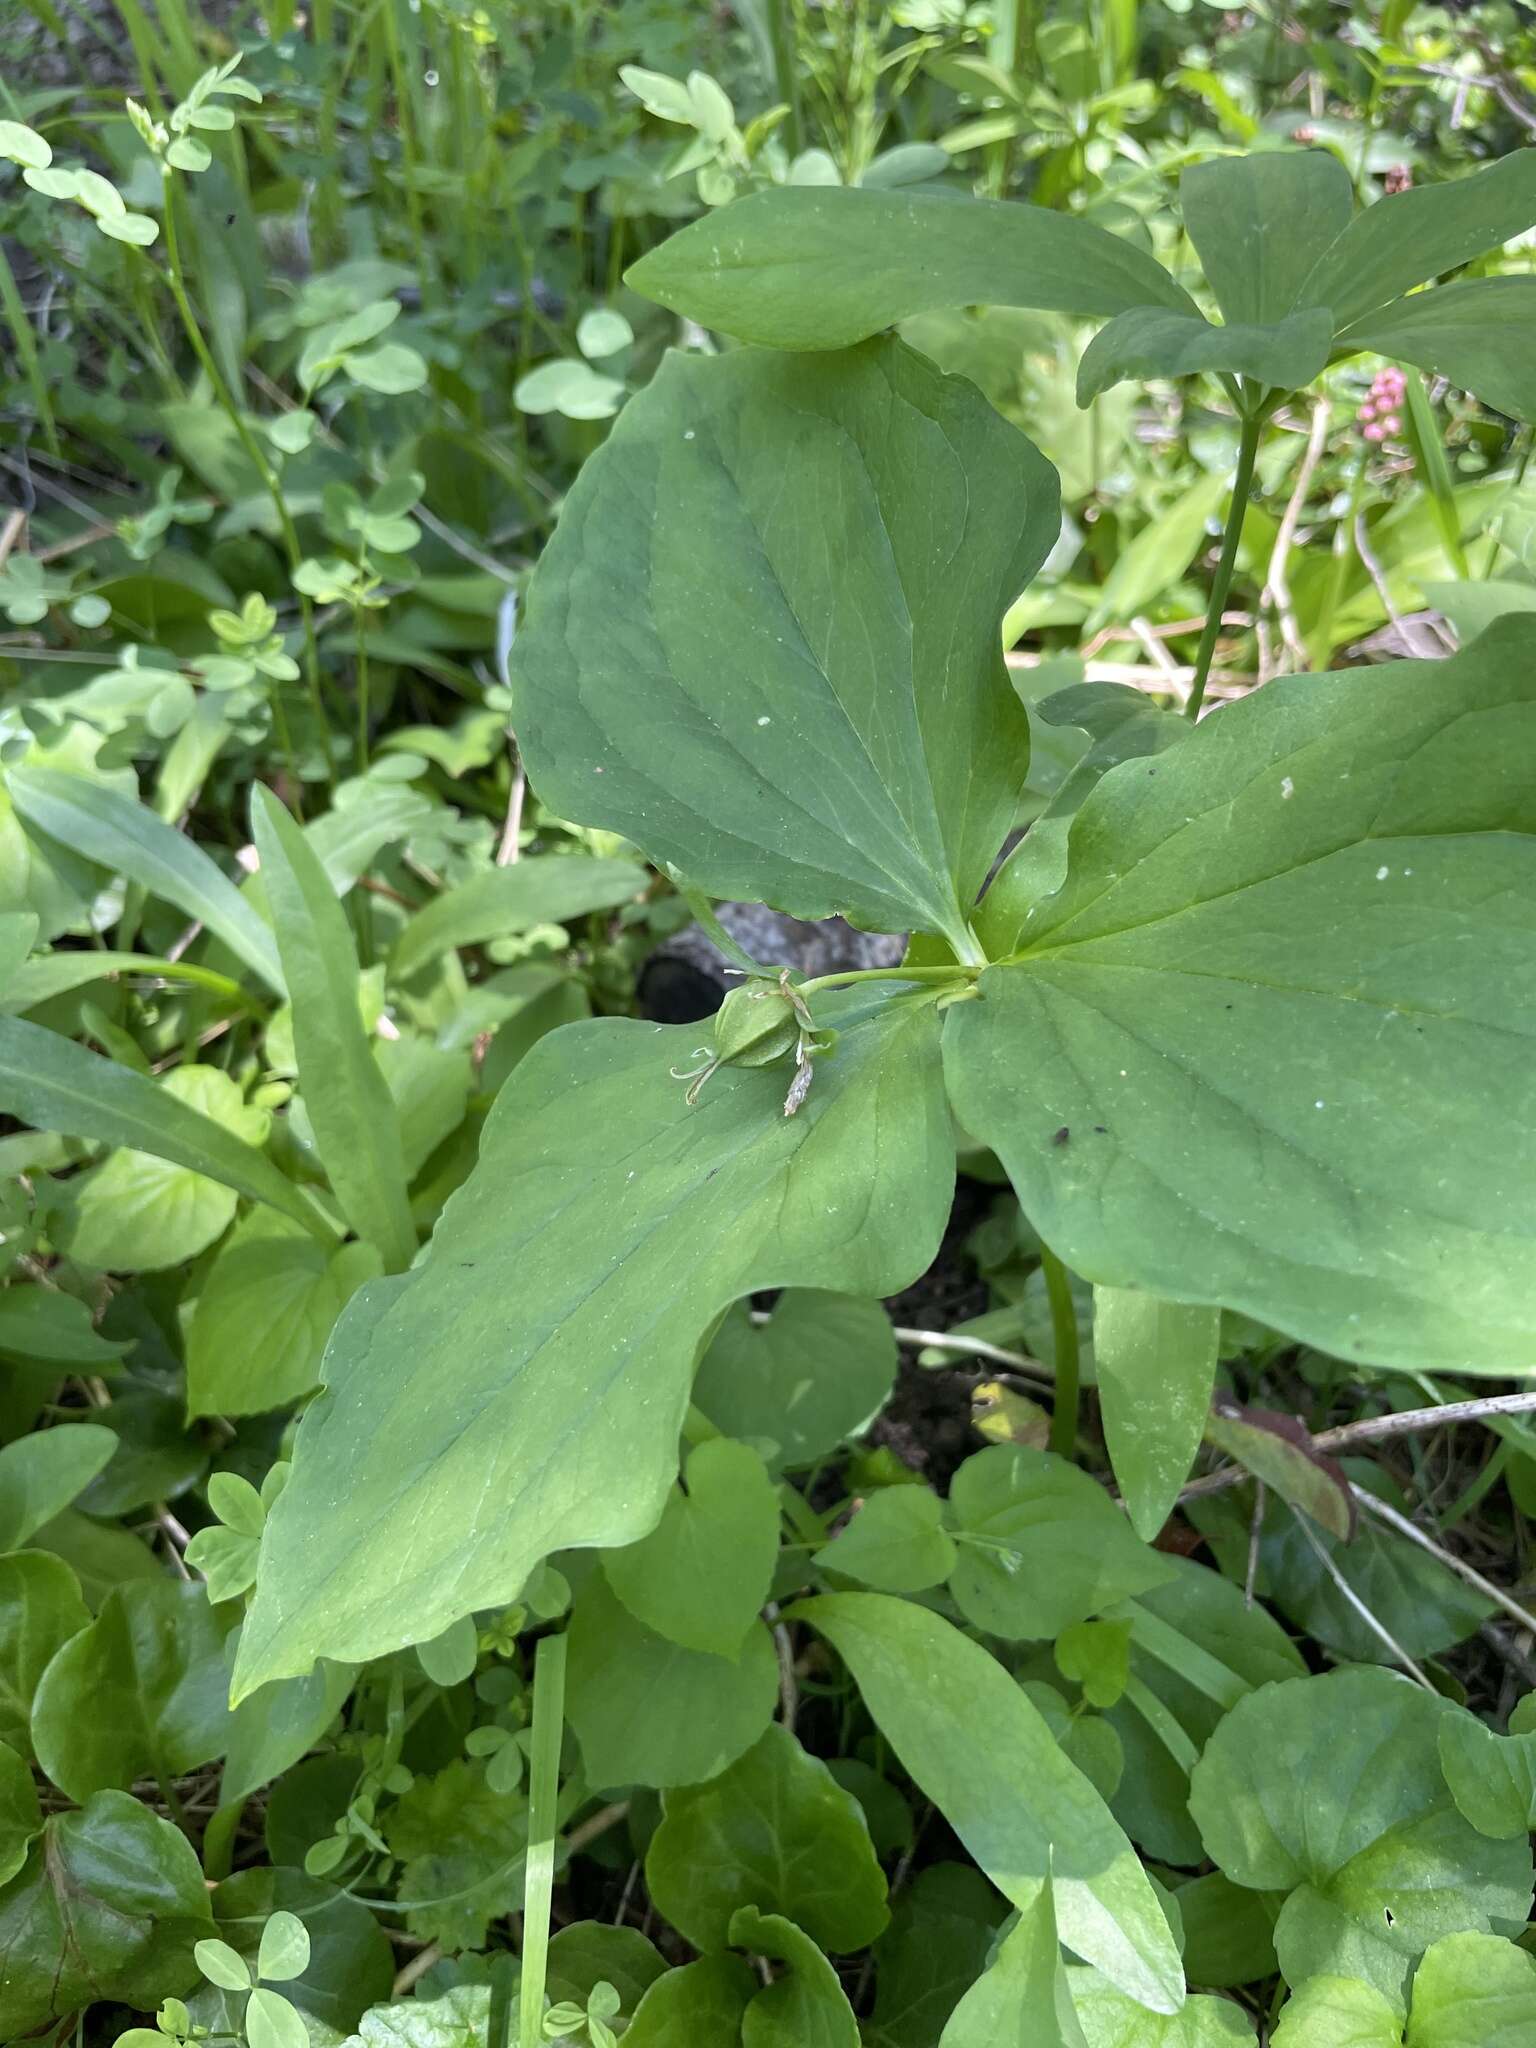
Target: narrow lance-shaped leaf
(1156,1364)
(1282,1009)
(1410,237)
(763,643)
(804,267)
(522,1389)
(975,1744)
(351,1111)
(1258,222)
(55,1085)
(1476,334)
(1150,341)
(510,899)
(128,838)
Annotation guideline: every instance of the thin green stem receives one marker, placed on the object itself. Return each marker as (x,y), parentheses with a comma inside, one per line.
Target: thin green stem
(410,155)
(24,342)
(543,1818)
(1242,483)
(364,690)
(176,277)
(1064,1343)
(219,1839)
(855,974)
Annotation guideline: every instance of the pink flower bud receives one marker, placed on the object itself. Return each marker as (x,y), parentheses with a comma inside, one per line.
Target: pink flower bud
(1366,412)
(1392,424)
(1375,433)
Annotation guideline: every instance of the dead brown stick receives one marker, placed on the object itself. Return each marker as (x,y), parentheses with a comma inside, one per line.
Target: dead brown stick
(1407,1422)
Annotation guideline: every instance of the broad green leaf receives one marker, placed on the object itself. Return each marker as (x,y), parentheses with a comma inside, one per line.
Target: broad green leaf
(1152,341)
(648,1712)
(1286,985)
(42,1473)
(21,1817)
(1257,223)
(1472,333)
(1123,723)
(40,1609)
(107,1906)
(129,839)
(259,1326)
(587,1953)
(1339,2012)
(464,1443)
(1424,1605)
(456,2020)
(1492,1777)
(1376,1859)
(1229,1932)
(461,1843)
(141,1212)
(1041,1544)
(139,1693)
(43,1326)
(1277,1449)
(773,1831)
(55,1085)
(808,268)
(853,743)
(1416,235)
(701,2002)
(1156,1364)
(1474,1991)
(18,935)
(1021,2000)
(513,899)
(940,1937)
(351,1113)
(804,1380)
(805,2008)
(157,1457)
(702,1574)
(273,1729)
(896,1542)
(1022,1810)
(1109,2019)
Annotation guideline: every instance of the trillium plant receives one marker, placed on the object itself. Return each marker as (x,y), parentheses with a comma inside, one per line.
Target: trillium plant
(1245,1019)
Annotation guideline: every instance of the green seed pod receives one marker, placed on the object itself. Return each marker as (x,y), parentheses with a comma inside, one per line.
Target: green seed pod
(755,1025)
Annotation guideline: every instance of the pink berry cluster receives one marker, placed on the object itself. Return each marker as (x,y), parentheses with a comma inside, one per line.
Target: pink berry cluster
(1380,417)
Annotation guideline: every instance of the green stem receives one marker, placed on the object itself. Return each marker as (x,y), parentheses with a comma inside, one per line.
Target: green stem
(1064,1343)
(25,343)
(543,1817)
(854,974)
(1242,483)
(363,690)
(219,1839)
(786,81)
(176,276)
(410,155)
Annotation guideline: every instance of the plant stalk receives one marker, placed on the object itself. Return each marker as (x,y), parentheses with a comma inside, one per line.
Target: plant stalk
(543,1820)
(1242,483)
(1064,1342)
